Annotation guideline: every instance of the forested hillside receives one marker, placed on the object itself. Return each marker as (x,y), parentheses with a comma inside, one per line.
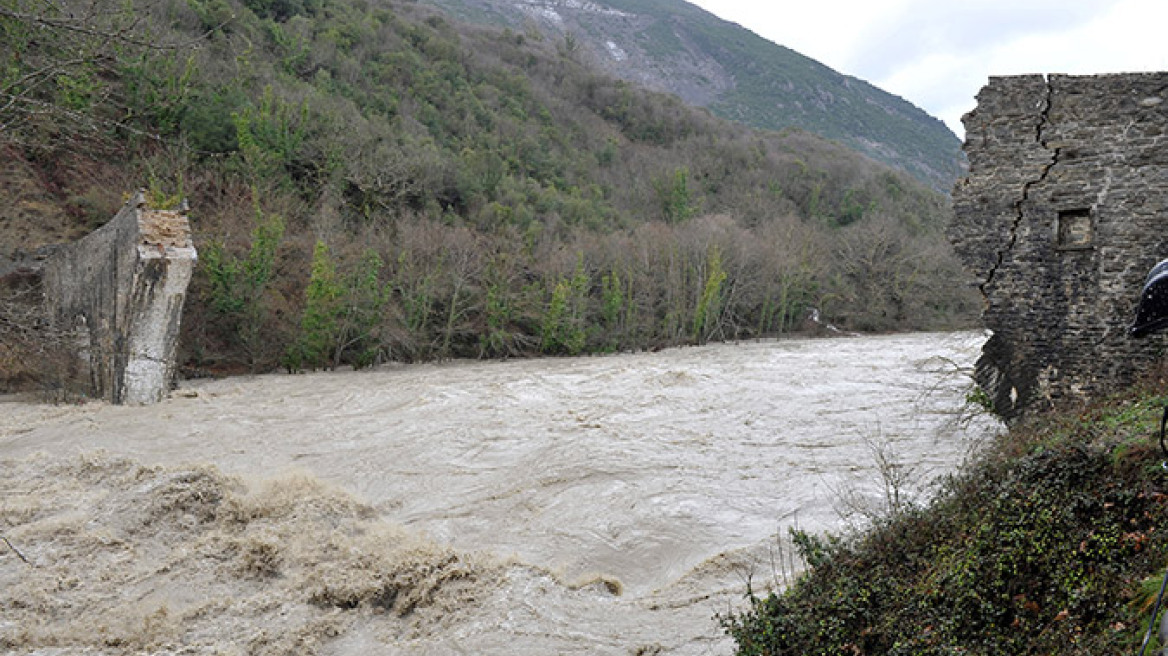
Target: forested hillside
(674,46)
(369,180)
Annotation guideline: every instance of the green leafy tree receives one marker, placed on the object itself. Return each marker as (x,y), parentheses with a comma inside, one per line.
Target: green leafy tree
(269,137)
(320,324)
(55,57)
(674,196)
(562,330)
(501,334)
(498,340)
(613,307)
(414,283)
(342,314)
(710,300)
(159,89)
(238,286)
(362,316)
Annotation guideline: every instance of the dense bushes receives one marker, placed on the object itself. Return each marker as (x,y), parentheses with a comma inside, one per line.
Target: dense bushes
(1040,547)
(518,201)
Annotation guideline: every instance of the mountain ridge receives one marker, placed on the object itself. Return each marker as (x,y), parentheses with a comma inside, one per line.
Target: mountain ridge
(679,48)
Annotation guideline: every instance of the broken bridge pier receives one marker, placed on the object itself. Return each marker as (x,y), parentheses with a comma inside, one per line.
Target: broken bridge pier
(120,290)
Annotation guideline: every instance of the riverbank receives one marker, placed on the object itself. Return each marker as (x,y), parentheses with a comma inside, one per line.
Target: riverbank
(1053,541)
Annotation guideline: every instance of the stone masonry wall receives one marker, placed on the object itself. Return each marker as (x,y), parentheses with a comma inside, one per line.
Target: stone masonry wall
(1064,212)
(122,289)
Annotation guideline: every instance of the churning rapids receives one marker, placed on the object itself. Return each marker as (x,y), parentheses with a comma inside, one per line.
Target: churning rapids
(597,505)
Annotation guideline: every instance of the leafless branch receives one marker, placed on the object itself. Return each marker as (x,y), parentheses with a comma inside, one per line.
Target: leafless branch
(16,551)
(68,36)
(78,117)
(89,23)
(123,34)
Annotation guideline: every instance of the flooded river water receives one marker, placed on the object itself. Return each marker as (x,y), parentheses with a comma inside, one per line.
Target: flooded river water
(627,498)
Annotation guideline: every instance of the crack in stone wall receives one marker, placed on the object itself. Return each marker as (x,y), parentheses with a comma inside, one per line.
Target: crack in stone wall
(1019,205)
(1058,221)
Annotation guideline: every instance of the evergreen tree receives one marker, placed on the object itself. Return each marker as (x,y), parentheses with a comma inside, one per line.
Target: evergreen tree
(323,310)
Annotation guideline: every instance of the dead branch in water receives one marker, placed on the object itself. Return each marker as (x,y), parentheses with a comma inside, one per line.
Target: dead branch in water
(16,551)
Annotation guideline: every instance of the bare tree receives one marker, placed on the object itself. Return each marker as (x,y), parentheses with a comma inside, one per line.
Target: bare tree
(57,58)
(35,354)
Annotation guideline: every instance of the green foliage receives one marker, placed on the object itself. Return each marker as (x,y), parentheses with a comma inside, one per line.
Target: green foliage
(365,298)
(207,122)
(269,136)
(851,209)
(502,334)
(710,300)
(562,331)
(213,15)
(57,63)
(607,154)
(157,197)
(159,90)
(1040,547)
(468,161)
(674,196)
(77,90)
(320,324)
(498,339)
(614,308)
(416,288)
(238,286)
(980,399)
(479,175)
(797,290)
(342,314)
(282,10)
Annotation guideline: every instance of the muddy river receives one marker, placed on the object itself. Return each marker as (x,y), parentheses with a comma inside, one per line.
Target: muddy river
(626,499)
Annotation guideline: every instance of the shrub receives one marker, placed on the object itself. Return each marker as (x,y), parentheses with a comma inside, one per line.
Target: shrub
(1038,552)
(238,286)
(562,331)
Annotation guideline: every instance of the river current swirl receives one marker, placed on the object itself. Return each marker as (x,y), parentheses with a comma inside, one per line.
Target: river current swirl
(633,496)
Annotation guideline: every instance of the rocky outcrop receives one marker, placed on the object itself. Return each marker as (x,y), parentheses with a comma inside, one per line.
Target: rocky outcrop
(1063,214)
(121,289)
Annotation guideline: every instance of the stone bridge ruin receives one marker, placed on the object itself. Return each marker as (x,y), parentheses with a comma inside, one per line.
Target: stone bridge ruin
(121,290)
(1062,215)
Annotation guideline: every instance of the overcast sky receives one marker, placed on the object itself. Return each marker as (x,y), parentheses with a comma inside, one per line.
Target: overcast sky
(937,54)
